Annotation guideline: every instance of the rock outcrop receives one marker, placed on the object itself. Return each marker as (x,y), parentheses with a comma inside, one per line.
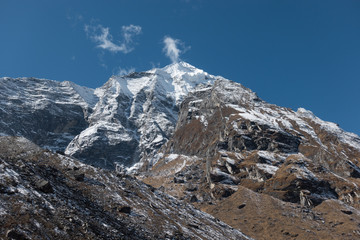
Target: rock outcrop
(227,138)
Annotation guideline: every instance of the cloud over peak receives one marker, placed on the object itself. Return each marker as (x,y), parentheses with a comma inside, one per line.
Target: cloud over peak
(170,48)
(123,71)
(102,37)
(173,48)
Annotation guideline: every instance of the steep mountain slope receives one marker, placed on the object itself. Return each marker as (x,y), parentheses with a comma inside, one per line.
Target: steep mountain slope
(227,138)
(125,121)
(49,196)
(49,113)
(200,138)
(136,114)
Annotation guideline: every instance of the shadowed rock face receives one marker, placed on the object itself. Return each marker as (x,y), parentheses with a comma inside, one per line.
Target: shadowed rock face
(49,113)
(46,128)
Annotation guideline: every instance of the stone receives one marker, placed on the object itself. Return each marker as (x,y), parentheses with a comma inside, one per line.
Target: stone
(348,212)
(16,235)
(193,199)
(241,206)
(79,177)
(124,209)
(44,186)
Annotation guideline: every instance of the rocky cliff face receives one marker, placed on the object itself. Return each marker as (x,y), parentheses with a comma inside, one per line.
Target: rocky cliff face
(228,139)
(125,121)
(49,113)
(200,138)
(136,114)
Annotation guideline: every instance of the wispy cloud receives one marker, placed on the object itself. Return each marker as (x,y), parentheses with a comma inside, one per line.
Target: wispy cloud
(173,48)
(102,60)
(130,31)
(104,40)
(123,71)
(74,19)
(155,65)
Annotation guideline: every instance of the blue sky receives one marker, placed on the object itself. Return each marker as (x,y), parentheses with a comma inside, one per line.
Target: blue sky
(292,53)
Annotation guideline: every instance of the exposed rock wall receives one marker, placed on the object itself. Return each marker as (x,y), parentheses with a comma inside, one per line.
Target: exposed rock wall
(230,139)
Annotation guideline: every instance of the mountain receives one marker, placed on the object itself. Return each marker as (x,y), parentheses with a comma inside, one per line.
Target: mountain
(270,172)
(125,121)
(257,166)
(135,115)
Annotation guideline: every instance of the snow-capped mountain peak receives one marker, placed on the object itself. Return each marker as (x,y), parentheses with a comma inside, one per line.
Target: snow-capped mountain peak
(201,137)
(130,117)
(136,114)
(179,69)
(183,78)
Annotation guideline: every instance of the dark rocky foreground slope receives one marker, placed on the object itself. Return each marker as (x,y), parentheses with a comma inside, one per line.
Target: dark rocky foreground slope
(49,196)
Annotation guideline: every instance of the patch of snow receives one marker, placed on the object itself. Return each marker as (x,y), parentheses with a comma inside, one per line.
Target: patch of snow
(230,161)
(267,155)
(216,171)
(203,89)
(267,168)
(305,113)
(11,173)
(185,78)
(348,138)
(21,189)
(171,157)
(159,138)
(2,211)
(87,94)
(271,156)
(134,167)
(202,119)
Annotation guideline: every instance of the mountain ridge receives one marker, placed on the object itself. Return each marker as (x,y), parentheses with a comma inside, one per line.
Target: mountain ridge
(139,108)
(203,139)
(228,142)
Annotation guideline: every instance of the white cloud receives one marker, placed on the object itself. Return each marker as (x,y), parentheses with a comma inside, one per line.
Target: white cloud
(130,31)
(123,71)
(101,59)
(102,37)
(173,48)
